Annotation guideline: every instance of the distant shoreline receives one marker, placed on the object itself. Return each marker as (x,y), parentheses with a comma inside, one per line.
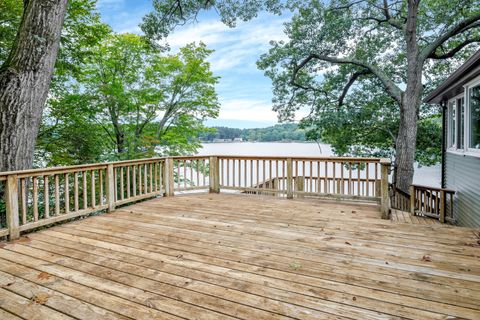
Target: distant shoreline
(279,141)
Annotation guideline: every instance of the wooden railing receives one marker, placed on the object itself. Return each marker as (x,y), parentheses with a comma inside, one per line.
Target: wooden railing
(426,201)
(40,197)
(432,202)
(353,178)
(399,199)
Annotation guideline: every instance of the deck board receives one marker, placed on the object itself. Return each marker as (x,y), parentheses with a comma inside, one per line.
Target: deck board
(407,217)
(225,256)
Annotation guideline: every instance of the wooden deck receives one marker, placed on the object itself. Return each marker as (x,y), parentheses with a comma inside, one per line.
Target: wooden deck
(221,256)
(407,217)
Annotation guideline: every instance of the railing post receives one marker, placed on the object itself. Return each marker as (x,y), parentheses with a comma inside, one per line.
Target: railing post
(274,186)
(385,199)
(300,185)
(289,178)
(442,206)
(214,175)
(11,202)
(412,200)
(110,188)
(169,178)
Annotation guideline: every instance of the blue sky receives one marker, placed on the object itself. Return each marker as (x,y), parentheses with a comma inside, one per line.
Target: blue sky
(244,92)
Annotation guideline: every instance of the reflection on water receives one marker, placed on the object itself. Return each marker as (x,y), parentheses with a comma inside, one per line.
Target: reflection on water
(425,175)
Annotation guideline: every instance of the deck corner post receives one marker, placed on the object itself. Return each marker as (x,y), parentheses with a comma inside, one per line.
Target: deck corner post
(11,203)
(443,199)
(169,178)
(412,200)
(289,178)
(214,175)
(110,192)
(385,200)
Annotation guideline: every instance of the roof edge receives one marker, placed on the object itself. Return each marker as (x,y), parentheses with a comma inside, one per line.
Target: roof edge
(452,79)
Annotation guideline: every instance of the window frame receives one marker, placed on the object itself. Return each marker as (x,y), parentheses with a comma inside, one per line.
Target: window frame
(468,150)
(452,142)
(453,147)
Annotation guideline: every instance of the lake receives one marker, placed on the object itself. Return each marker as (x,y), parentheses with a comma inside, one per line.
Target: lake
(424,175)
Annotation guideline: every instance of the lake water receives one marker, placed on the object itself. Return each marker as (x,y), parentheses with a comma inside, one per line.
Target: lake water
(425,175)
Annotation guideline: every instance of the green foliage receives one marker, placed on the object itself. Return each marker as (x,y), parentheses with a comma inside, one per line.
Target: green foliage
(169,14)
(128,100)
(10,15)
(355,113)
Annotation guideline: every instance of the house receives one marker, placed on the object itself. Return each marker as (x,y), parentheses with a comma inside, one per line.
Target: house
(459,97)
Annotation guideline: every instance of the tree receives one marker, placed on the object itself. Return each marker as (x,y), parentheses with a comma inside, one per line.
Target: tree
(10,16)
(25,79)
(393,41)
(134,97)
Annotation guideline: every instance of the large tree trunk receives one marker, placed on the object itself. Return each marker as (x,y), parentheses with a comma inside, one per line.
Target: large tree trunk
(25,80)
(406,142)
(407,132)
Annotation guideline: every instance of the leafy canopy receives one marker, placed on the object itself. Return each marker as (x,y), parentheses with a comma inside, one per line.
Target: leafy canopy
(350,105)
(353,100)
(131,101)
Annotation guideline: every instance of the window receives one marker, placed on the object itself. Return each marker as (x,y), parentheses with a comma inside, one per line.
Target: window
(474,117)
(461,123)
(451,124)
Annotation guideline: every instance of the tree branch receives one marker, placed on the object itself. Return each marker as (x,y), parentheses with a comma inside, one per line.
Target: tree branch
(453,51)
(462,26)
(353,78)
(393,90)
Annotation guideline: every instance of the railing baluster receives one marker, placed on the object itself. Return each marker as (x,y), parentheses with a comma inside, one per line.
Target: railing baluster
(24,204)
(46,198)
(128,182)
(367,177)
(359,191)
(121,183)
(204,166)
(145,179)
(92,188)
(263,174)
(85,192)
(67,194)
(197,163)
(35,198)
(140,187)
(100,184)
(150,165)
(57,194)
(75,191)
(240,172)
(233,172)
(245,173)
(134,180)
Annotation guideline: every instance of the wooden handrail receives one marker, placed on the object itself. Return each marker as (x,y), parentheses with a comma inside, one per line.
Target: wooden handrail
(40,197)
(423,187)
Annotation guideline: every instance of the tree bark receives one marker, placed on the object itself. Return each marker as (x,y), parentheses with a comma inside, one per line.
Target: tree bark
(407,133)
(25,80)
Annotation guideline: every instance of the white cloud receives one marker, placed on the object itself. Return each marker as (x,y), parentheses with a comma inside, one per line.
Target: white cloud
(234,47)
(247,109)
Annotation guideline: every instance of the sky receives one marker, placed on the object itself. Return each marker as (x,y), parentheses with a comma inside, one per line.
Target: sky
(244,92)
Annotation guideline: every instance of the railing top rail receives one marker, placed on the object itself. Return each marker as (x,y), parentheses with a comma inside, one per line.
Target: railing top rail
(306,158)
(417,186)
(103,165)
(89,166)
